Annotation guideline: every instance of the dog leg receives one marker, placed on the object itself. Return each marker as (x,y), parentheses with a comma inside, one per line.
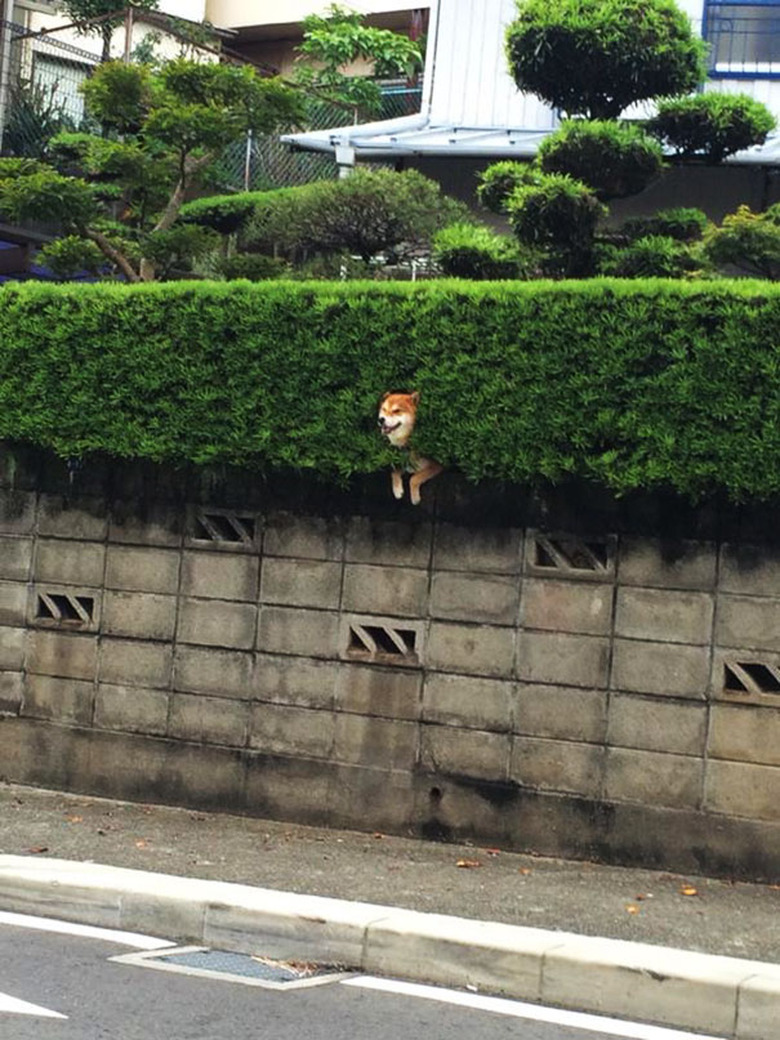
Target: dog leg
(429,470)
(398,483)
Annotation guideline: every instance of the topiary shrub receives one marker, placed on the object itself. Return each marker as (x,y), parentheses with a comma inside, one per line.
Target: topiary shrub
(255,267)
(612,158)
(469,251)
(655,256)
(747,240)
(711,126)
(683,223)
(500,179)
(226,214)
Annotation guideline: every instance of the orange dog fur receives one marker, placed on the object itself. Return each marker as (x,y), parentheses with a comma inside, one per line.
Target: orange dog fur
(397,416)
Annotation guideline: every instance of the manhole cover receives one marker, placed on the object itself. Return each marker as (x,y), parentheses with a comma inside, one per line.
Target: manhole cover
(250,969)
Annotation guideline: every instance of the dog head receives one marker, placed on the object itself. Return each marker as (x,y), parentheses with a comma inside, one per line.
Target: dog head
(397,413)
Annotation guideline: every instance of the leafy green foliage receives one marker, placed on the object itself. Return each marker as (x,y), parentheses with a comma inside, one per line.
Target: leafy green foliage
(86,10)
(654,256)
(629,384)
(500,179)
(597,57)
(338,39)
(683,223)
(33,115)
(46,195)
(612,158)
(747,240)
(474,251)
(63,256)
(711,126)
(255,267)
(226,214)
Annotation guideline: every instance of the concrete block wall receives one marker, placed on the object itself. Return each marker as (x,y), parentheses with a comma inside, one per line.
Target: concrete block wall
(609,694)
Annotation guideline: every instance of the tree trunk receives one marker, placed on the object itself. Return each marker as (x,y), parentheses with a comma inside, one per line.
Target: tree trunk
(107,32)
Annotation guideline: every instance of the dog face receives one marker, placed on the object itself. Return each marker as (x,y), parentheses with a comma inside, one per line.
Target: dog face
(397,413)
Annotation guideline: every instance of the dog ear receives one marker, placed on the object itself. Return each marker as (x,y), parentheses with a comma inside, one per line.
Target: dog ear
(385,396)
(415,397)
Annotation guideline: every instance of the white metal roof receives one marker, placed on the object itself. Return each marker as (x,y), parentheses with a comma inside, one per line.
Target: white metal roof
(470,104)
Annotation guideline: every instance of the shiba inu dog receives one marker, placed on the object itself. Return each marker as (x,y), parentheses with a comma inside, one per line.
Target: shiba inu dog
(397,415)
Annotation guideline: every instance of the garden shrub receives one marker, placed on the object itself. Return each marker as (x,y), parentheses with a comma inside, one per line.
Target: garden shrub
(655,256)
(256,267)
(682,223)
(612,158)
(474,251)
(634,384)
(747,240)
(226,214)
(711,126)
(500,179)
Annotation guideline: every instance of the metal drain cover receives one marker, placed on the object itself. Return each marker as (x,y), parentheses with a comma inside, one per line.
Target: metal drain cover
(250,969)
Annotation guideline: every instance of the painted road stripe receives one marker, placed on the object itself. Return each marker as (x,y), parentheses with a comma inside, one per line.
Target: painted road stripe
(535,1012)
(86,931)
(14,1006)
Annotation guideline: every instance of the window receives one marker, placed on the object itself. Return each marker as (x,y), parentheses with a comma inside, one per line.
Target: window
(60,80)
(744,37)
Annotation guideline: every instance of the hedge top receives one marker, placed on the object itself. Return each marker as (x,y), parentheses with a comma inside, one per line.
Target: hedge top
(634,384)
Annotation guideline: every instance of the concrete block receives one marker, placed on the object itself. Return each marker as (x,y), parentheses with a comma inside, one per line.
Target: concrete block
(488,598)
(83,518)
(562,659)
(174,915)
(69,563)
(142,569)
(310,633)
(757,1004)
(748,622)
(62,700)
(301,583)
(378,743)
(746,676)
(11,692)
(558,765)
(753,570)
(664,615)
(657,725)
(667,563)
(397,591)
(465,809)
(459,700)
(383,692)
(12,645)
(145,522)
(17,512)
(13,603)
(295,680)
(208,720)
(673,987)
(497,549)
(61,654)
(304,537)
(208,575)
(140,615)
(289,788)
(742,789)
(224,673)
(662,669)
(212,622)
(279,729)
(561,712)
(653,778)
(502,959)
(390,542)
(745,733)
(64,607)
(15,557)
(215,529)
(131,709)
(465,752)
(133,663)
(471,649)
(373,639)
(566,606)
(576,557)
(371,799)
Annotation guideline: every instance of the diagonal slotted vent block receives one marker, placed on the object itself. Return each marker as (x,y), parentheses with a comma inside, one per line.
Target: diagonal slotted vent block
(567,554)
(382,642)
(233,528)
(65,608)
(751,677)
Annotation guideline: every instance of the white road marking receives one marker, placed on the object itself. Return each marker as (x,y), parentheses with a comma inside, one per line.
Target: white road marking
(86,931)
(535,1012)
(14,1006)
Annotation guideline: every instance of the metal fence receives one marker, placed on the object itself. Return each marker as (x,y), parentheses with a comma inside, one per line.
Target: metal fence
(744,40)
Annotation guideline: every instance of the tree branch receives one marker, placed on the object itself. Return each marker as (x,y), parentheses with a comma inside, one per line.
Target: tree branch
(112,253)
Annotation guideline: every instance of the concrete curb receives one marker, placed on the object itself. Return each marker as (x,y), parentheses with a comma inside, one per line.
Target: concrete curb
(722,995)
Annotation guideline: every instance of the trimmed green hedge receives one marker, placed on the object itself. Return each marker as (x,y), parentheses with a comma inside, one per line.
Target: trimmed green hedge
(631,384)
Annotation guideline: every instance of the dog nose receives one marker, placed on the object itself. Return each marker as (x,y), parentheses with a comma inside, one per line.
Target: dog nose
(380,421)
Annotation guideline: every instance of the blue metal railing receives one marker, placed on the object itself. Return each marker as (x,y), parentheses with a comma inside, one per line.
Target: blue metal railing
(744,40)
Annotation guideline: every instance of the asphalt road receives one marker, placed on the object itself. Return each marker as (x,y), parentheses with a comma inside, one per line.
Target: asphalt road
(101,999)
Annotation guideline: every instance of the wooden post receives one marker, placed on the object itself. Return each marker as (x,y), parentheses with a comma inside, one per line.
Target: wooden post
(128,34)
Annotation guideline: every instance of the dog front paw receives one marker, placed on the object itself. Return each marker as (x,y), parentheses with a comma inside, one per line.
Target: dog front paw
(398,486)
